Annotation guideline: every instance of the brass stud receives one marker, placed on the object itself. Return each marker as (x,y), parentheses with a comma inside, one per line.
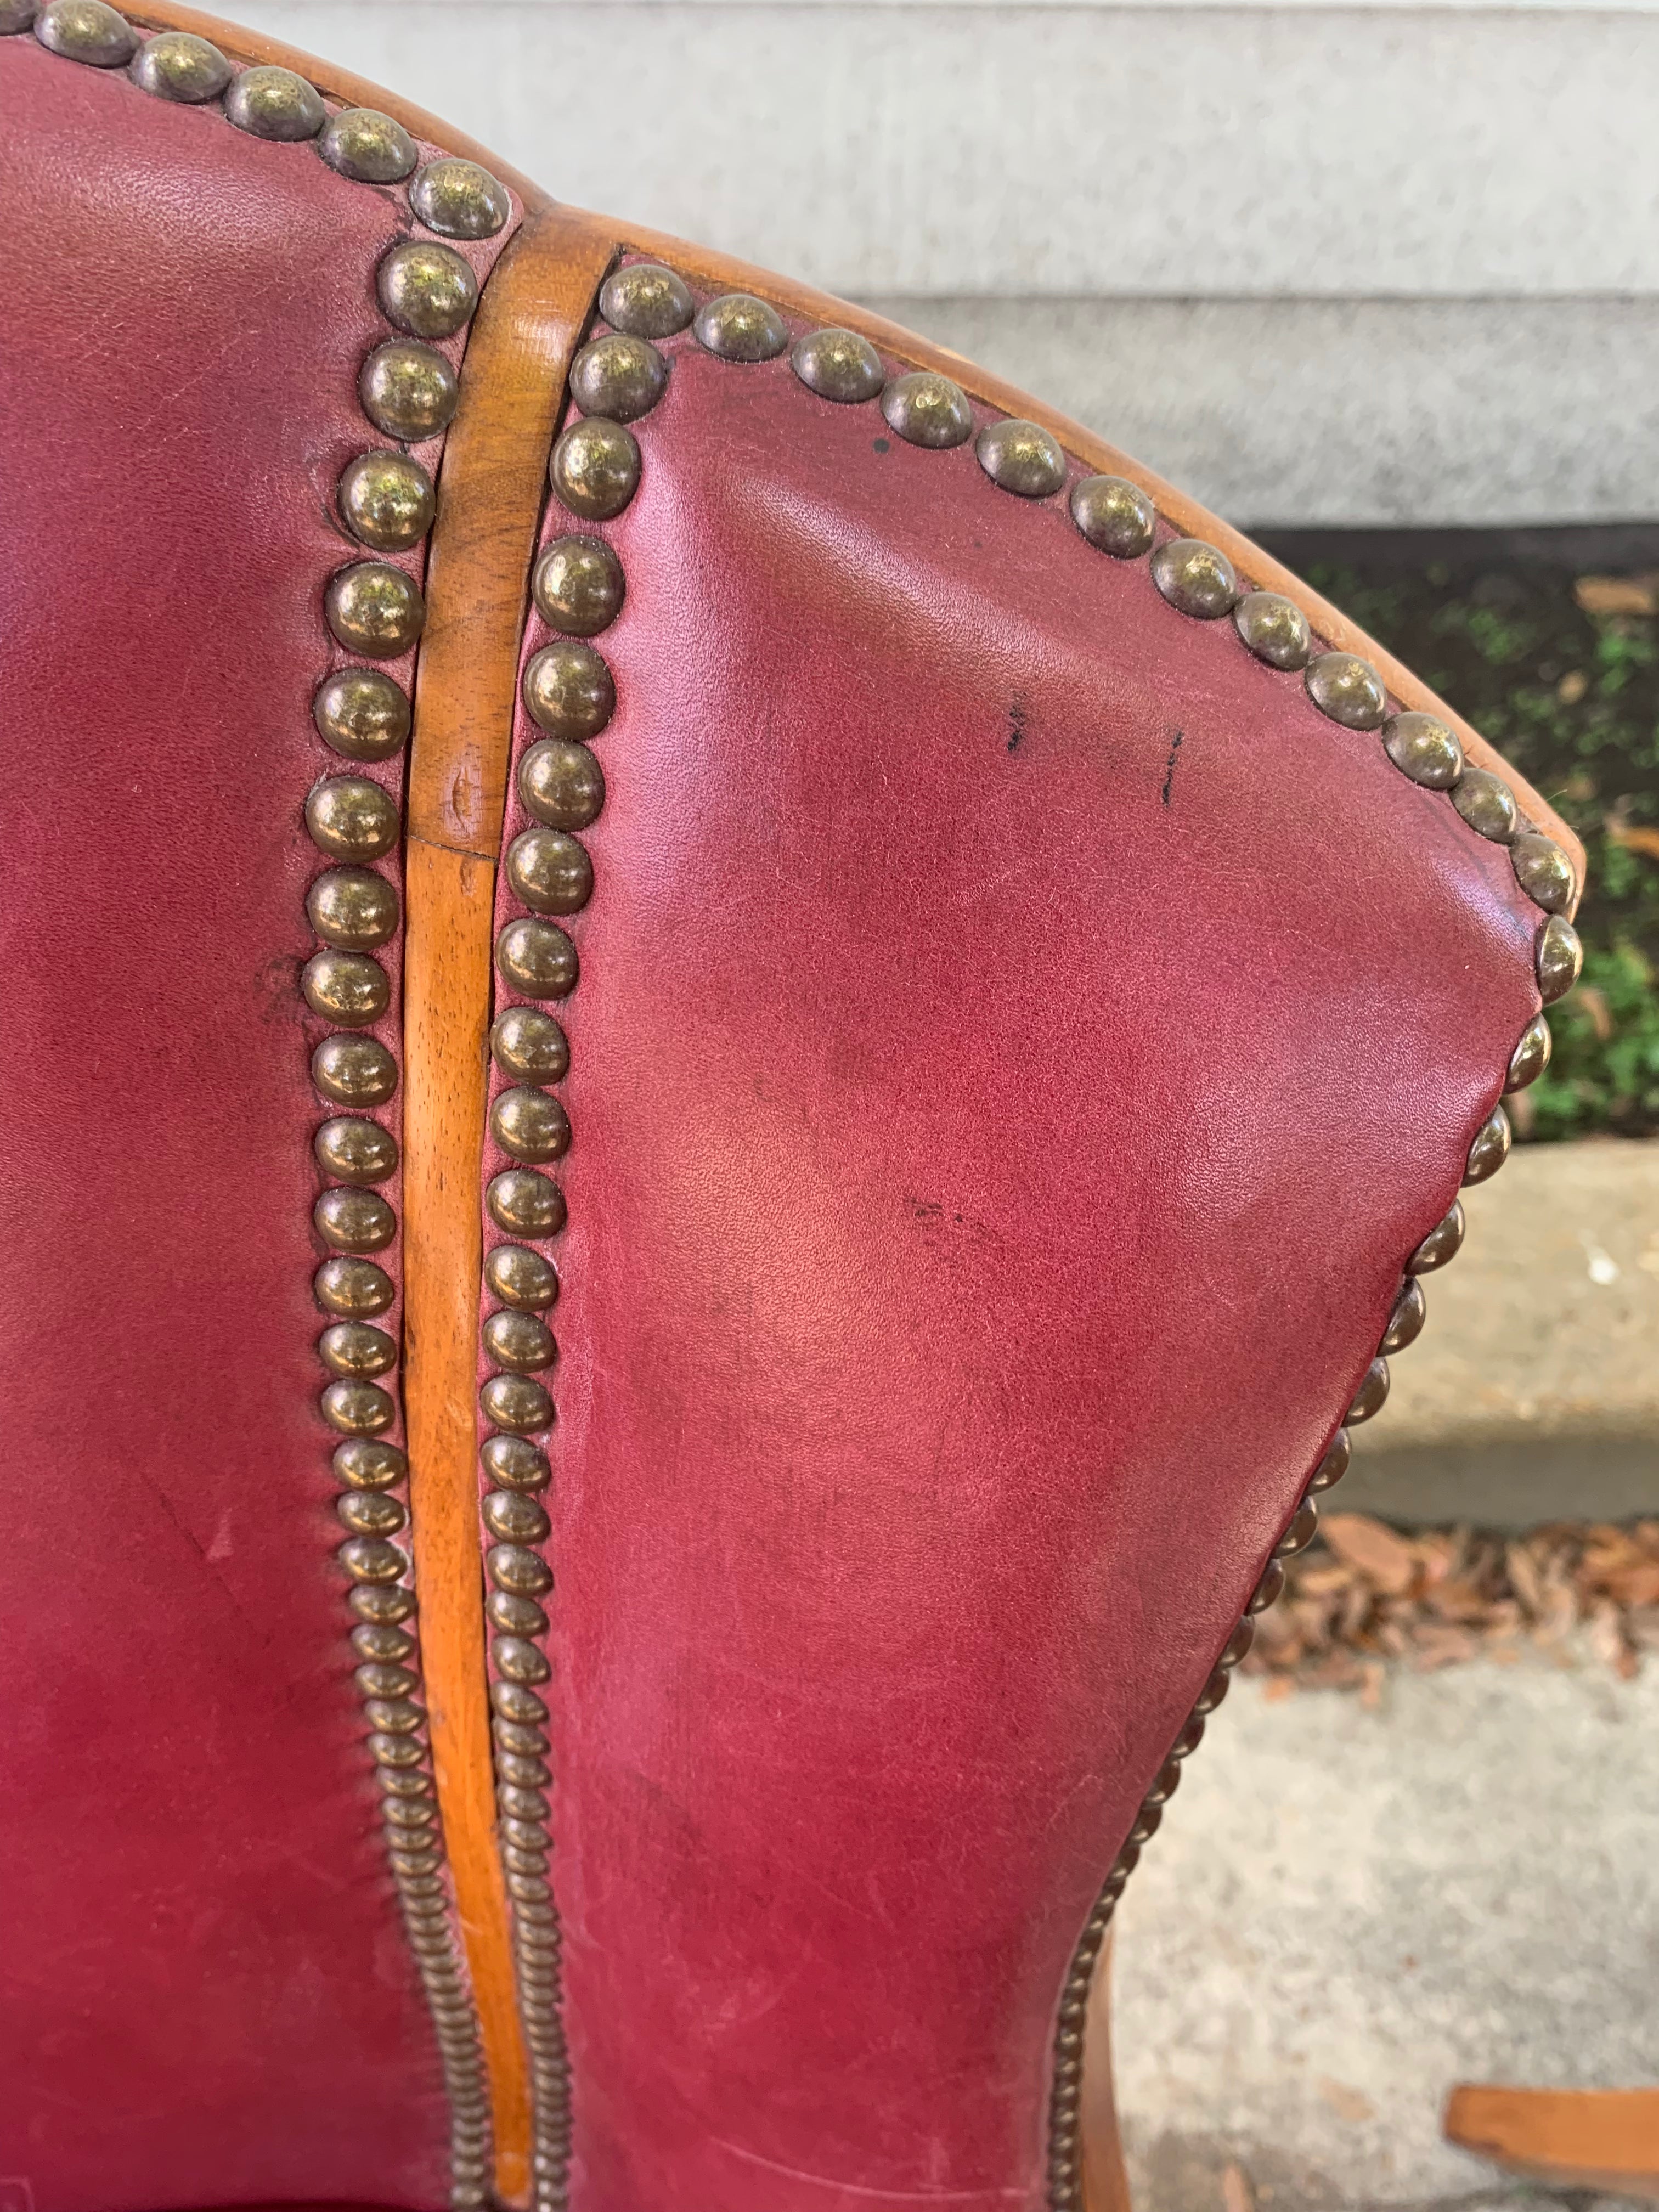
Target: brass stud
(1422,747)
(1237,1649)
(86,31)
(354,1070)
(1486,804)
(274,103)
(427,289)
(521,1278)
(355,1289)
(1405,1321)
(1215,1689)
(345,988)
(579,586)
(15,16)
(1304,1527)
(377,1677)
(375,608)
(408,390)
(354,1150)
(515,1464)
(367,1559)
(1559,958)
(569,689)
(1544,872)
(358,1409)
(516,1518)
(361,1464)
(1335,1465)
(393,1715)
(1196,579)
(1442,1243)
(352,909)
(520,1342)
(1115,516)
(520,1662)
(370,1513)
(1268,1589)
(517,1403)
(737,326)
(381,1646)
(926,409)
(356,1221)
(1491,1147)
(460,199)
(595,468)
(352,818)
(537,958)
(513,1766)
(647,300)
(529,1125)
(393,1601)
(618,376)
(529,1045)
(361,714)
(518,1616)
(510,1567)
(511,1703)
(1164,1783)
(1274,628)
(561,783)
(1021,456)
(525,1204)
(550,870)
(839,365)
(353,1350)
(1369,1397)
(178,65)
(386,501)
(1348,689)
(1531,1056)
(363,143)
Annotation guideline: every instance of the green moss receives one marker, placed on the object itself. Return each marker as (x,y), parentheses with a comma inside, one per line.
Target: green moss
(1572,699)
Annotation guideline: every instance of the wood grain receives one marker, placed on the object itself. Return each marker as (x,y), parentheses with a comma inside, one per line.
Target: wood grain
(1105,2183)
(489,498)
(1602,2139)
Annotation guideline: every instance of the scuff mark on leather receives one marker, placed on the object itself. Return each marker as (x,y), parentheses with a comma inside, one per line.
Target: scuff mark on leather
(1170,765)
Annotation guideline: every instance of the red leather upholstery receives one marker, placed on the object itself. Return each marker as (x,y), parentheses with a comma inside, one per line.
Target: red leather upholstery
(207,1994)
(1018,1042)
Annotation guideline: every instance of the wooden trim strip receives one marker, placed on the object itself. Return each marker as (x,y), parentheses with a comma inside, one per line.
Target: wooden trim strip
(490,490)
(1601,2139)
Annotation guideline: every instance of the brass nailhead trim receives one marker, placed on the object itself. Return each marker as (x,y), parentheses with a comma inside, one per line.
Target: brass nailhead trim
(375,608)
(1199,581)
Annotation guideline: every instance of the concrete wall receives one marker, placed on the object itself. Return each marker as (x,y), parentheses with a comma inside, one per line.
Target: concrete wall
(1359,263)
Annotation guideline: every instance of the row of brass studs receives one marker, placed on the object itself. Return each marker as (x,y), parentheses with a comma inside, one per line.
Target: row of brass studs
(456,198)
(930,410)
(570,694)
(623,374)
(375,608)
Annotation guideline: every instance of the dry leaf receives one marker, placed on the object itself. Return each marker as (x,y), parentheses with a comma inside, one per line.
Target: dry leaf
(1237,2189)
(1637,840)
(1616,595)
(1385,1558)
(1348,2104)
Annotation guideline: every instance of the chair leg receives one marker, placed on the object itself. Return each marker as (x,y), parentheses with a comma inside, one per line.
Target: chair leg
(1571,2138)
(1105,2182)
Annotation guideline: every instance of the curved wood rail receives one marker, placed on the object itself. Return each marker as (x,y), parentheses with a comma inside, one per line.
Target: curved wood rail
(489,498)
(1602,2139)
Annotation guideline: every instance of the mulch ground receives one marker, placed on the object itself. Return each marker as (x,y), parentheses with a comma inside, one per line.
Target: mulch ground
(1365,1597)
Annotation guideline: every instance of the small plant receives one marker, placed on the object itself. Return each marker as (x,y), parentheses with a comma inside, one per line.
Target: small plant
(1561,675)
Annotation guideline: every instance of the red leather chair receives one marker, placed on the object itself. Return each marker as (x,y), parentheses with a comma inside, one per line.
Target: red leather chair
(972,991)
